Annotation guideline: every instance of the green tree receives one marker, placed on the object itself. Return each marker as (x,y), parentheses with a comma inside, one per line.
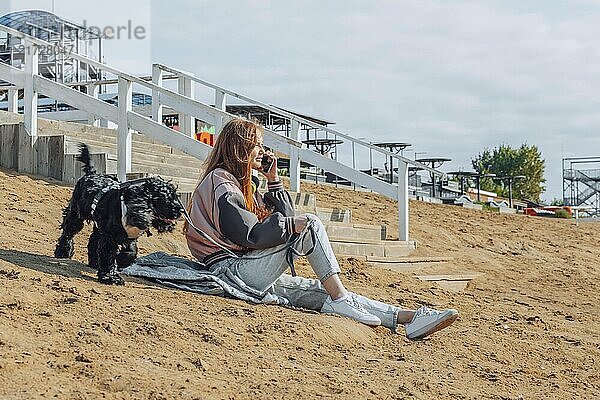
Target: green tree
(507,161)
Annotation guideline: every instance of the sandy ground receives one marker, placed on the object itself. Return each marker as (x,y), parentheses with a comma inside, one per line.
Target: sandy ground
(529,327)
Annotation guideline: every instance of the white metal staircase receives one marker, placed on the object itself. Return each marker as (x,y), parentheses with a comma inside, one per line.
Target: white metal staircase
(591,180)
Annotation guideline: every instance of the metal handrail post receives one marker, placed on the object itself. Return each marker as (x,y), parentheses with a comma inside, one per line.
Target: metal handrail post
(402,201)
(294,169)
(123,131)
(220,104)
(187,123)
(157,107)
(13,100)
(30,96)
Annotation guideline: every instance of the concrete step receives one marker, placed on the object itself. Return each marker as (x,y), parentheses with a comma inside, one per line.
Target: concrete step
(139,158)
(454,282)
(409,260)
(151,169)
(306,201)
(327,214)
(381,248)
(50,127)
(138,171)
(156,164)
(187,184)
(139,143)
(156,149)
(185,187)
(91,134)
(137,147)
(405,264)
(356,231)
(163,170)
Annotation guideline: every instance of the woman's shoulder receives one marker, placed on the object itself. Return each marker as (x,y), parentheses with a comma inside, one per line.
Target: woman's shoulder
(223,174)
(219,177)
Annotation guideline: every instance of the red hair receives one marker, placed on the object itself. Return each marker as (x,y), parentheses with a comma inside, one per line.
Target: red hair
(232,152)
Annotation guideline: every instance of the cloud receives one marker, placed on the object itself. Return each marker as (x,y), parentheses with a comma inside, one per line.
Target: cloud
(449,77)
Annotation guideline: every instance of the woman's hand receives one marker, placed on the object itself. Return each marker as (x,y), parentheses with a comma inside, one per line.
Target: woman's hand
(300,223)
(271,174)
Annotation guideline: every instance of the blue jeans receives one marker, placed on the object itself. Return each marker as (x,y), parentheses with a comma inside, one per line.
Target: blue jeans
(264,270)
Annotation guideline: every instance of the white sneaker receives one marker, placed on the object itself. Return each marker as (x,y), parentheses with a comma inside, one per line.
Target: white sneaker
(348,306)
(427,321)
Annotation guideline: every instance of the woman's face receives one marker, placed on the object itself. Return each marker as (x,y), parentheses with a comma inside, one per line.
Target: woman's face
(257,153)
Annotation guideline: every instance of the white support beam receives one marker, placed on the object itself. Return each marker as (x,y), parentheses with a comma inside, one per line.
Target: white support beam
(180,103)
(13,100)
(279,143)
(75,98)
(403,201)
(12,75)
(360,178)
(123,131)
(93,90)
(187,122)
(157,107)
(30,96)
(294,157)
(220,104)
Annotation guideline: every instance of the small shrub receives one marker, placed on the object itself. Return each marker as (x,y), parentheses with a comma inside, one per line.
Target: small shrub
(561,213)
(487,207)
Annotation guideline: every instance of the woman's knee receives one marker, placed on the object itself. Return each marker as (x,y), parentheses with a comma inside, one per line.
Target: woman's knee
(316,223)
(301,292)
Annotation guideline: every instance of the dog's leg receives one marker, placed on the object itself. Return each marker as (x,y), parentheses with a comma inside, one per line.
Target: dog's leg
(127,255)
(93,249)
(107,268)
(70,226)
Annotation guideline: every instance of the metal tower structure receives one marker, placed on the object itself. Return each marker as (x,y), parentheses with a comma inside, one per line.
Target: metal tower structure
(65,38)
(581,183)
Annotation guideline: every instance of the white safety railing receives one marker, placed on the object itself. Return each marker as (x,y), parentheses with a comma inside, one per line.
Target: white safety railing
(183,102)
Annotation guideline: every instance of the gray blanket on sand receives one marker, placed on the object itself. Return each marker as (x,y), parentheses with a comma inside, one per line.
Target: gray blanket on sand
(193,276)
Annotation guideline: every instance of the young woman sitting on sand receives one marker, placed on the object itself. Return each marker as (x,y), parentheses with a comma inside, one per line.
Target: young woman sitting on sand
(263,237)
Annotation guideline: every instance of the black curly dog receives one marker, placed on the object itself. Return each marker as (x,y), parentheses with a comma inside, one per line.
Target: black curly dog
(121,212)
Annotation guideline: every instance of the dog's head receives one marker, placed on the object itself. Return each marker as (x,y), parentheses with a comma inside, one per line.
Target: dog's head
(164,203)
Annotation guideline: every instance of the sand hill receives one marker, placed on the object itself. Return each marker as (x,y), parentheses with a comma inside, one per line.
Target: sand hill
(529,327)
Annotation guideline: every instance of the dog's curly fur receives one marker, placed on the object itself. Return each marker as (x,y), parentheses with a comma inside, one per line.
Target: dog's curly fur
(150,202)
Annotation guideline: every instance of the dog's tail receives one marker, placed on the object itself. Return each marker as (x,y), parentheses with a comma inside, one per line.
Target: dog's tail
(84,157)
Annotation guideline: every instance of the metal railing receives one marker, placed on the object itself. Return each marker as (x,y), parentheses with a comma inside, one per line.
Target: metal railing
(183,101)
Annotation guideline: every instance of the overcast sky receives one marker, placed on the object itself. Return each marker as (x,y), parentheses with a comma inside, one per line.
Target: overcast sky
(450,77)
